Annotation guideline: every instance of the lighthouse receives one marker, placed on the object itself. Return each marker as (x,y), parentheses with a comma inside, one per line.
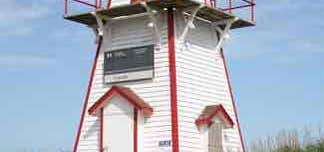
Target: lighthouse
(159,80)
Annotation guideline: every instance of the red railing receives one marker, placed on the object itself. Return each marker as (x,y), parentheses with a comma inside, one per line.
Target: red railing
(230,6)
(96,4)
(234,5)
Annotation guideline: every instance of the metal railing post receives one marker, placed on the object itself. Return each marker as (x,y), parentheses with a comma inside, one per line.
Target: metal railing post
(108,4)
(98,4)
(230,6)
(65,7)
(252,11)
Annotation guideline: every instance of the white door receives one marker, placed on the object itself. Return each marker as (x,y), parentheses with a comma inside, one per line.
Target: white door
(118,126)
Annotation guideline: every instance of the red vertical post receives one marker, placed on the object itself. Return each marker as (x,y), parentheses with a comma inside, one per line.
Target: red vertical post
(65,7)
(232,98)
(108,4)
(252,10)
(86,100)
(98,3)
(173,81)
(230,6)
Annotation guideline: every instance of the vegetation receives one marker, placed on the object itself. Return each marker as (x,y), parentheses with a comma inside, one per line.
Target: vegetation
(293,140)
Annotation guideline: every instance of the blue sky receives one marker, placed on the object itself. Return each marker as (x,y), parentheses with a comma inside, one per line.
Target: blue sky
(277,71)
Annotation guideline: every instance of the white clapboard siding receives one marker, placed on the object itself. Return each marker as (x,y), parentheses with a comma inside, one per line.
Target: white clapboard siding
(201,81)
(115,3)
(132,33)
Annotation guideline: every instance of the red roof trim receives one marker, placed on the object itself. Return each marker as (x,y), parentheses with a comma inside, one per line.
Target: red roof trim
(206,117)
(127,94)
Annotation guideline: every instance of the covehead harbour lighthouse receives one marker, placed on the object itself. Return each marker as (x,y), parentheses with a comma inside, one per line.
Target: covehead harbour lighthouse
(159,79)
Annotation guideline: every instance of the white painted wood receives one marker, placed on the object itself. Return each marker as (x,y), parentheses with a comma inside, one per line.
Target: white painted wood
(140,131)
(201,81)
(116,3)
(118,126)
(131,33)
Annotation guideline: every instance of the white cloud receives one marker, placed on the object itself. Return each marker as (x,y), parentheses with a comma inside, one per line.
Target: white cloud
(16,17)
(284,30)
(16,61)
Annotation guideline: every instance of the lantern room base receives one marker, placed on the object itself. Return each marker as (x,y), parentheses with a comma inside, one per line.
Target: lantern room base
(206,12)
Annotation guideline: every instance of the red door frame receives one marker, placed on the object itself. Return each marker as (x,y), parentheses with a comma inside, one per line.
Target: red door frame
(135,130)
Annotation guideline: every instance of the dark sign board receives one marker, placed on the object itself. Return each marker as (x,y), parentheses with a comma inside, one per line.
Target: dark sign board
(130,59)
(129,64)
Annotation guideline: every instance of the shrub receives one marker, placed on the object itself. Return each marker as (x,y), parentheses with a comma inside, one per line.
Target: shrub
(293,140)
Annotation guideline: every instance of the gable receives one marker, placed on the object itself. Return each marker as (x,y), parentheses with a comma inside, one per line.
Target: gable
(122,92)
(210,113)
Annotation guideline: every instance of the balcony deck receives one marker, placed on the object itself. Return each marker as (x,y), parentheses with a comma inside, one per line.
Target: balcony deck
(206,12)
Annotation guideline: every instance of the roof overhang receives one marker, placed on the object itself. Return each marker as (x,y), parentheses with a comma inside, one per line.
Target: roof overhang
(210,112)
(206,12)
(125,93)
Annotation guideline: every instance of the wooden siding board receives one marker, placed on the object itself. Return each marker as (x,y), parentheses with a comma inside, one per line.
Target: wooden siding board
(155,92)
(201,82)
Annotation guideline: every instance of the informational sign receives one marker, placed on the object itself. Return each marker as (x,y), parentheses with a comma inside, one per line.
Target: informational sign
(129,64)
(165,143)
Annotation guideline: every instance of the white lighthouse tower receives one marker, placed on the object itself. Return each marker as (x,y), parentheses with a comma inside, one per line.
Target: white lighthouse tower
(159,81)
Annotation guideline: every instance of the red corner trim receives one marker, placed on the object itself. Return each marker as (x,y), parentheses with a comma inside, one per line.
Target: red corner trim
(173,82)
(206,117)
(135,130)
(232,98)
(108,4)
(101,130)
(94,65)
(126,93)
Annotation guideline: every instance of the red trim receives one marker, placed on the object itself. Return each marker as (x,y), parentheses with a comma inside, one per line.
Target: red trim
(135,130)
(98,4)
(230,5)
(236,7)
(101,130)
(86,3)
(126,93)
(108,4)
(232,98)
(66,7)
(253,11)
(87,95)
(206,117)
(173,82)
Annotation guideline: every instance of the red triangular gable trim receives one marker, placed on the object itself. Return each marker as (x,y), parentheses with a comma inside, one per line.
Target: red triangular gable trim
(210,112)
(127,94)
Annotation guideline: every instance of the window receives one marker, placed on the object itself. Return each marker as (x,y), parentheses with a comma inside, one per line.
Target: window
(215,138)
(130,59)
